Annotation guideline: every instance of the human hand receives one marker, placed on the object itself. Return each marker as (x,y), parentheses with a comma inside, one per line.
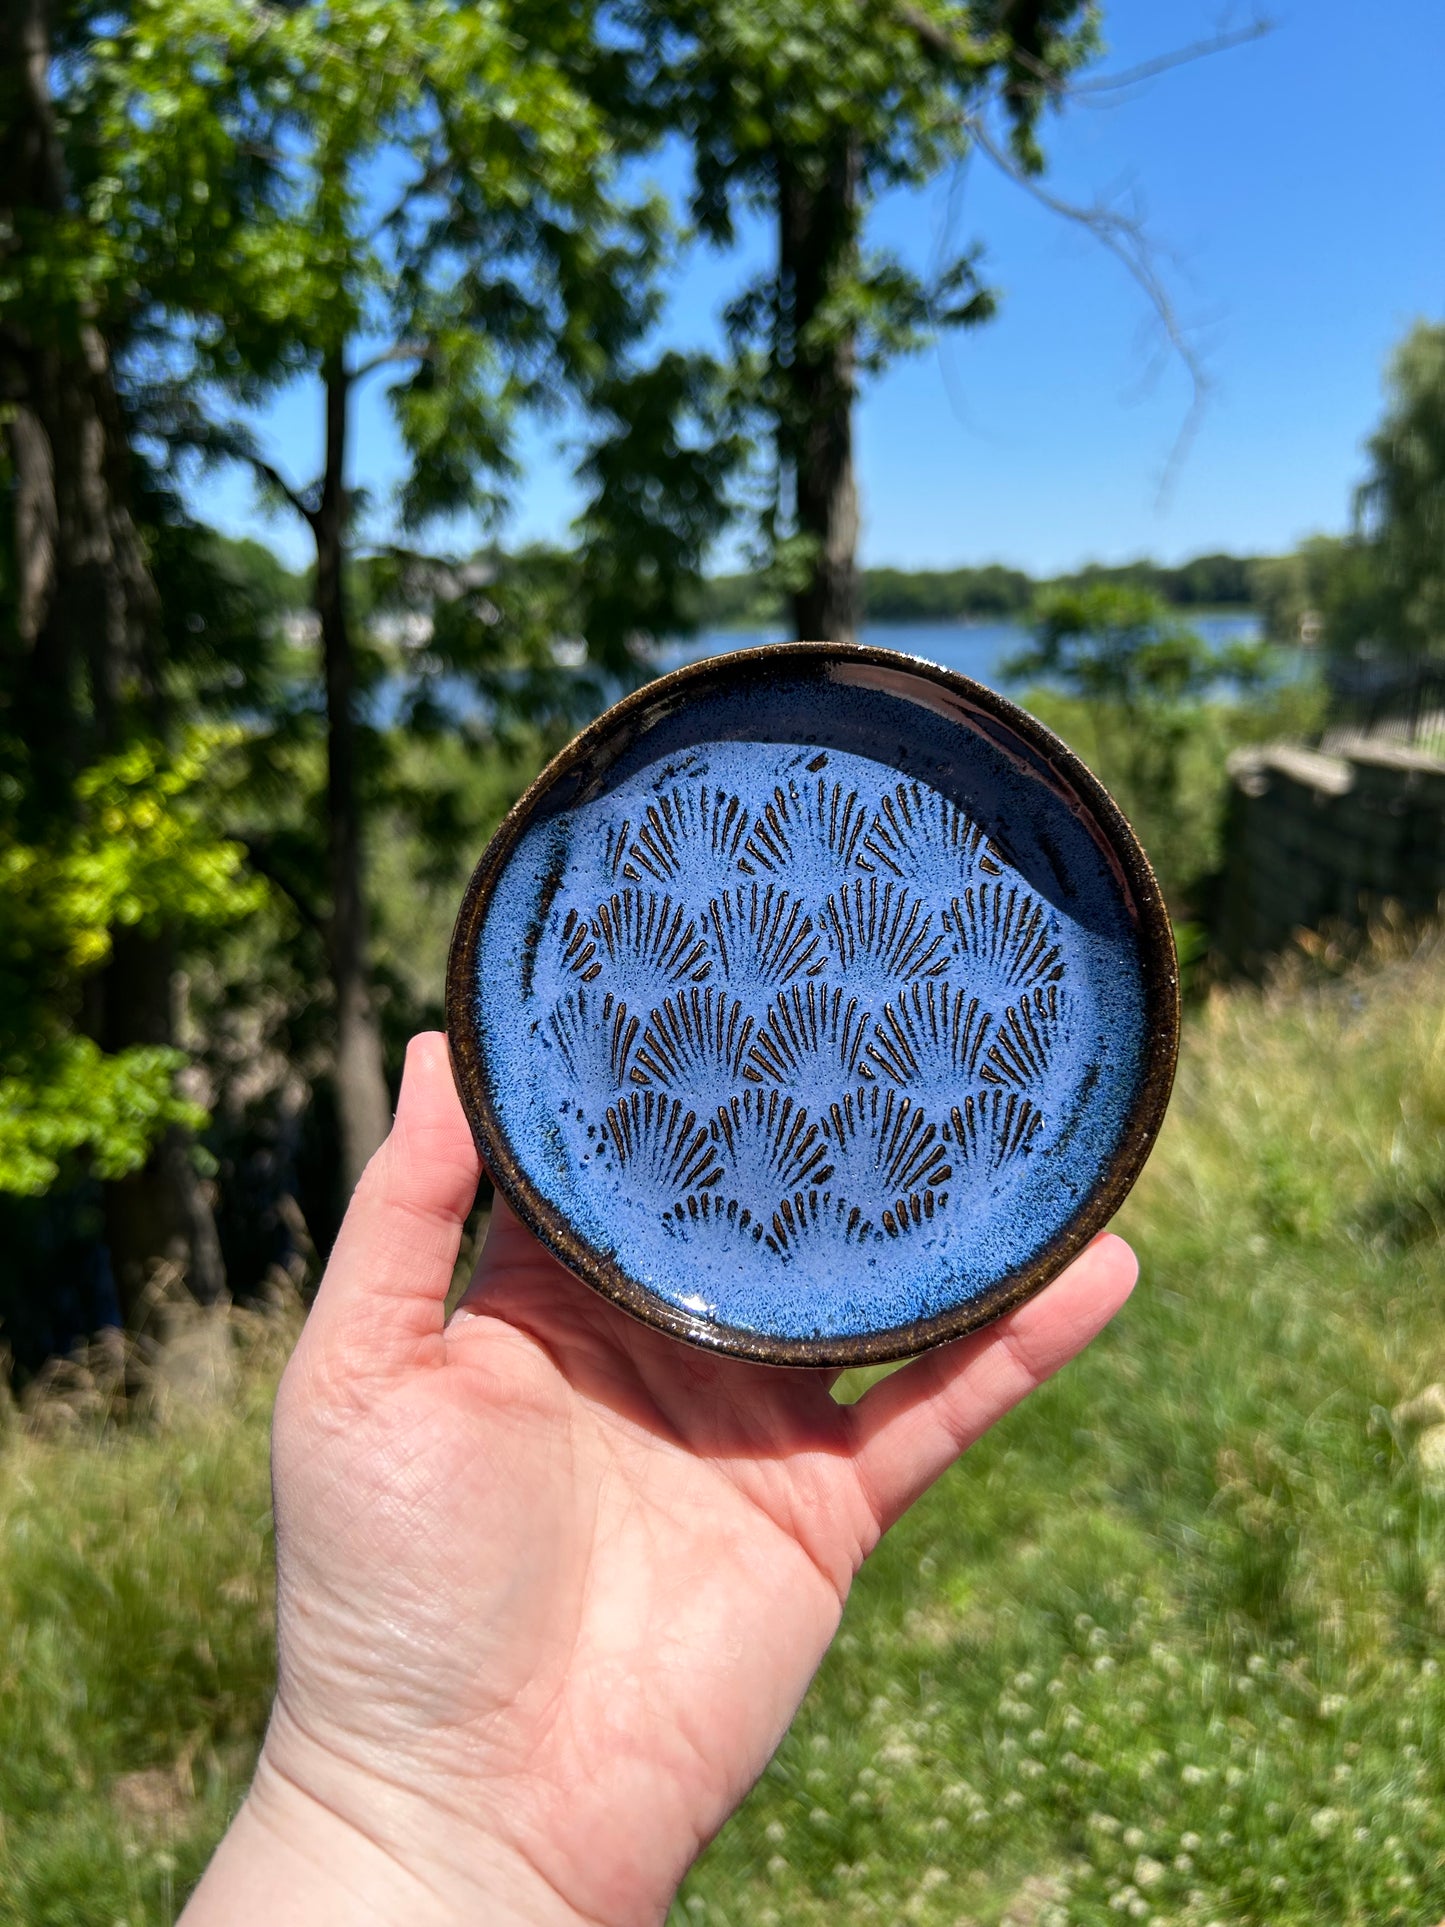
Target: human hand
(551,1585)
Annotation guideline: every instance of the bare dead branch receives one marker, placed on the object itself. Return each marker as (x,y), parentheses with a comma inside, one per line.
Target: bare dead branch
(1205,49)
(944,46)
(1124,236)
(399,351)
(269,473)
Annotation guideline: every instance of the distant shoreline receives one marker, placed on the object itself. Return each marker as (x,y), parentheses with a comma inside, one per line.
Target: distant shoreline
(1203,612)
(1206,585)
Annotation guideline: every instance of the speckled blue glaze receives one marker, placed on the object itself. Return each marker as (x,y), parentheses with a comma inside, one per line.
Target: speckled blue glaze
(818,1009)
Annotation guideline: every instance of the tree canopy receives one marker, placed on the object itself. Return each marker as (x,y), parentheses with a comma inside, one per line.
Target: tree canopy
(808,111)
(1402,504)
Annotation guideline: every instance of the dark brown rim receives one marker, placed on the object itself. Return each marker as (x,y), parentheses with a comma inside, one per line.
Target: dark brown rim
(1161,991)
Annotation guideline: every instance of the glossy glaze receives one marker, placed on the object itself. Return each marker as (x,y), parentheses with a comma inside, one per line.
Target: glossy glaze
(814,1005)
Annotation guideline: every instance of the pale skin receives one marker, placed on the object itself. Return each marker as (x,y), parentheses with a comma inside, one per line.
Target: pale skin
(550,1585)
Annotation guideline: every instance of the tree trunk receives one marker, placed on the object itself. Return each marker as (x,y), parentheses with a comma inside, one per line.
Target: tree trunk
(817,247)
(159,1224)
(87,608)
(363,1101)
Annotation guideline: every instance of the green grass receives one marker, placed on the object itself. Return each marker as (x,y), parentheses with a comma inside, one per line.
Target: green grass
(136,1649)
(1163,1648)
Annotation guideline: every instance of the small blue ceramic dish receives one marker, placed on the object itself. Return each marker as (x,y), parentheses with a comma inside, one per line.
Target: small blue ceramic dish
(815,1005)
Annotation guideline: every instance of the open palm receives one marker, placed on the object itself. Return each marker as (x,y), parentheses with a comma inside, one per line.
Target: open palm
(551,1586)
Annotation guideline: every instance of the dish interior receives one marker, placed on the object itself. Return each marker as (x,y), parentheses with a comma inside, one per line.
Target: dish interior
(815,1004)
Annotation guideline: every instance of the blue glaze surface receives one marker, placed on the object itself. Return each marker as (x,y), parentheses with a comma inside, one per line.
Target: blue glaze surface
(819,1008)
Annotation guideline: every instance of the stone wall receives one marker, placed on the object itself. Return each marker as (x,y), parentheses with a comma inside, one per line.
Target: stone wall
(1318,835)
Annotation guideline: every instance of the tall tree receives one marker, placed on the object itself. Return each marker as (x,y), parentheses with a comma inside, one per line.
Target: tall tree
(807,110)
(1378,592)
(86,614)
(439,209)
(1402,504)
(85,604)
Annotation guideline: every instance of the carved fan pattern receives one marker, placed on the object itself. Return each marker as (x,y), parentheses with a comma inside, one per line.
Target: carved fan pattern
(806,1022)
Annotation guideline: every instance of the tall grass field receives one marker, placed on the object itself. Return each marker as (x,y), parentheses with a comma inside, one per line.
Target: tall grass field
(1168,1646)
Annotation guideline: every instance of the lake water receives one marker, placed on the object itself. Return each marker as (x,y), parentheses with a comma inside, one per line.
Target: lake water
(977,649)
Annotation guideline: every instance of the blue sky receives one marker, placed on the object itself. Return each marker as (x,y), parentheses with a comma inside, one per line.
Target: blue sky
(1296,187)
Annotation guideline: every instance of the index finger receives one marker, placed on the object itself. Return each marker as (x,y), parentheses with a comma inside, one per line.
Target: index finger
(384,1292)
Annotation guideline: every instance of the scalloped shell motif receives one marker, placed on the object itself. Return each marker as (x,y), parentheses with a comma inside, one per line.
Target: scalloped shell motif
(816,1017)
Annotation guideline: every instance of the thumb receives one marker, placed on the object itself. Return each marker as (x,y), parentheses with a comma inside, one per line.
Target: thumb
(383,1297)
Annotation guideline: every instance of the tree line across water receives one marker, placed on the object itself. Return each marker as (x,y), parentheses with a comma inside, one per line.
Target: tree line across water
(992,592)
(989,592)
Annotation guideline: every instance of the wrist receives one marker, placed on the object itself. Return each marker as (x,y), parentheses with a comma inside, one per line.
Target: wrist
(294,1857)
